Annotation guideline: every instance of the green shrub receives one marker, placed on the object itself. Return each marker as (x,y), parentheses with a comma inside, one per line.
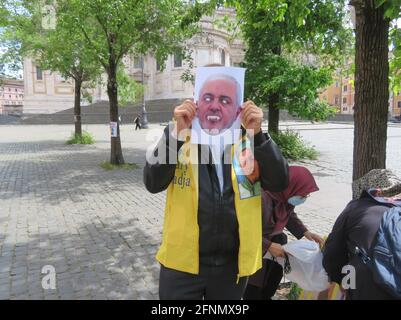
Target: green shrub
(295,291)
(293,147)
(109,166)
(85,138)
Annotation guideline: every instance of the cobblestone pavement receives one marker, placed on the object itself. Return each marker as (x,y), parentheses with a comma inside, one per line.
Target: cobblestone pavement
(333,169)
(100,229)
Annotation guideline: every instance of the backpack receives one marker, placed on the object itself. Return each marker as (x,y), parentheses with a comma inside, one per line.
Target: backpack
(384,259)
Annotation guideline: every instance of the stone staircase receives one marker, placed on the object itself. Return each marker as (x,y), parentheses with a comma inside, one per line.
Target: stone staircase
(98,113)
(158,111)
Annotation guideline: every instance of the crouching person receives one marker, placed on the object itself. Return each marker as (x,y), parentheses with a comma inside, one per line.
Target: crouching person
(363,251)
(278,213)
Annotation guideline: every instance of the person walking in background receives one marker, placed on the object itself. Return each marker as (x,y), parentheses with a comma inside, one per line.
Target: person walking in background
(137,122)
(277,214)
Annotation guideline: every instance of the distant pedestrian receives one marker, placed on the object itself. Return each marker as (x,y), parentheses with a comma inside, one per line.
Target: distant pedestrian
(137,122)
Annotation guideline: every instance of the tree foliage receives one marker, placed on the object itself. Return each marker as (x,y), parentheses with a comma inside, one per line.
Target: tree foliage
(103,32)
(32,24)
(297,85)
(114,29)
(392,12)
(292,48)
(130,91)
(13,19)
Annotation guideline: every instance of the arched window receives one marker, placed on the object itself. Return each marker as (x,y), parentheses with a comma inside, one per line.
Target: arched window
(138,62)
(158,65)
(39,74)
(223,57)
(178,59)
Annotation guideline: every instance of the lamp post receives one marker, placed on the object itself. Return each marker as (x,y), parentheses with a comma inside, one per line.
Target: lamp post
(144,118)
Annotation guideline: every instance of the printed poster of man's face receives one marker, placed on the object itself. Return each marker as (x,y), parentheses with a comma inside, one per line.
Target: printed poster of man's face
(218,96)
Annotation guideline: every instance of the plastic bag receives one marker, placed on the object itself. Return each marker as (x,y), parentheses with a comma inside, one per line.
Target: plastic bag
(305,260)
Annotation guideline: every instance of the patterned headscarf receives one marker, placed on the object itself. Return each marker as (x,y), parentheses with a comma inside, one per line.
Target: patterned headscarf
(383,179)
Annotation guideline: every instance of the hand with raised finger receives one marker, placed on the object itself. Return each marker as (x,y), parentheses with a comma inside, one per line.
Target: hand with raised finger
(252,117)
(183,115)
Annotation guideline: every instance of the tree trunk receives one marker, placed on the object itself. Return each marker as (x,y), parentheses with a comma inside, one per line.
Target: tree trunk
(371,89)
(77,108)
(116,154)
(274,113)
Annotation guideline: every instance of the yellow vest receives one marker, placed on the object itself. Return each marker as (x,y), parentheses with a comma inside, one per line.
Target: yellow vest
(180,244)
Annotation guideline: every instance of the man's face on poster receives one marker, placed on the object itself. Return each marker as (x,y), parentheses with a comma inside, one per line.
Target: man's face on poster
(217,105)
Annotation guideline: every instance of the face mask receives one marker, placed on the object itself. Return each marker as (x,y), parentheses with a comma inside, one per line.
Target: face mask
(296,200)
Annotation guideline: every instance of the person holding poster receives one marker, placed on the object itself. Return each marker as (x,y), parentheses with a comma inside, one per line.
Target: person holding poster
(213,161)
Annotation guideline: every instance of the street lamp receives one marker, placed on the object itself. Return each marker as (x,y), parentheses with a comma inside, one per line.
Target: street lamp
(144,118)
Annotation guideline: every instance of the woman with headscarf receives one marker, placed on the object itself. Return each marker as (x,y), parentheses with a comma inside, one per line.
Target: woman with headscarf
(354,232)
(277,214)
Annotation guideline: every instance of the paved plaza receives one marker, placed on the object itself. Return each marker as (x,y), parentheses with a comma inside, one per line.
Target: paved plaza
(101,229)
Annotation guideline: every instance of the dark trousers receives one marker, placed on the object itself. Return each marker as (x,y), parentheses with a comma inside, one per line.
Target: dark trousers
(137,126)
(272,277)
(212,283)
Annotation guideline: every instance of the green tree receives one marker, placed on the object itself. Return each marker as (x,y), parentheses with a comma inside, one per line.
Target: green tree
(52,47)
(9,57)
(113,29)
(3,20)
(72,60)
(292,48)
(9,46)
(375,24)
(129,90)
(3,14)
(2,73)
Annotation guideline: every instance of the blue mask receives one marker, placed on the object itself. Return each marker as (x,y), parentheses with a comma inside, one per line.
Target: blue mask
(296,200)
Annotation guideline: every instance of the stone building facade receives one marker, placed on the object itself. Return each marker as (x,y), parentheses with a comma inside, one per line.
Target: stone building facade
(47,92)
(11,96)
